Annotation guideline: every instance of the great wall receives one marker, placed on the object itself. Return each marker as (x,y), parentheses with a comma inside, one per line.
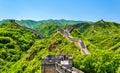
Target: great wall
(60,63)
(80,43)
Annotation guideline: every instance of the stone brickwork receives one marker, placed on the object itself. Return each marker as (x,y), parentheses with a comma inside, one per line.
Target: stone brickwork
(58,64)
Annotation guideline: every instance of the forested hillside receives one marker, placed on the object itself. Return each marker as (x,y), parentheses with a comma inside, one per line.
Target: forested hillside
(21,50)
(104,37)
(14,43)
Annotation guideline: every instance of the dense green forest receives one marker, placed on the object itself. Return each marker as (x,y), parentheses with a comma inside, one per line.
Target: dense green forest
(21,50)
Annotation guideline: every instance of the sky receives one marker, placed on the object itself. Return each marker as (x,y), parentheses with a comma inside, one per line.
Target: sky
(85,10)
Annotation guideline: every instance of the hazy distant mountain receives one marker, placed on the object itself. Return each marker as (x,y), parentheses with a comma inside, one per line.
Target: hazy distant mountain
(46,27)
(32,23)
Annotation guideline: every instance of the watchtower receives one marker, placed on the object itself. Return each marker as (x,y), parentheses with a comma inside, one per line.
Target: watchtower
(48,64)
(57,64)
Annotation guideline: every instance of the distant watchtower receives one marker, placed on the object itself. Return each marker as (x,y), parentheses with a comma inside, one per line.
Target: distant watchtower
(12,20)
(57,64)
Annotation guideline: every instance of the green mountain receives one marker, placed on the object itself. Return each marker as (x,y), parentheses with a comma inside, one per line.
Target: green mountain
(27,23)
(3,21)
(21,49)
(102,34)
(33,24)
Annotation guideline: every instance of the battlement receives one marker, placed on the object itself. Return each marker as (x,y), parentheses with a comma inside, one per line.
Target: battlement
(61,59)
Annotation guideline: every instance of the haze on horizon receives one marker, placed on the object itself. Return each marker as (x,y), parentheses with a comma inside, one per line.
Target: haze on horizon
(86,10)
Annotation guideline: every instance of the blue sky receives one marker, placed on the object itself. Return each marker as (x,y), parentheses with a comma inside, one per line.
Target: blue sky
(88,10)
